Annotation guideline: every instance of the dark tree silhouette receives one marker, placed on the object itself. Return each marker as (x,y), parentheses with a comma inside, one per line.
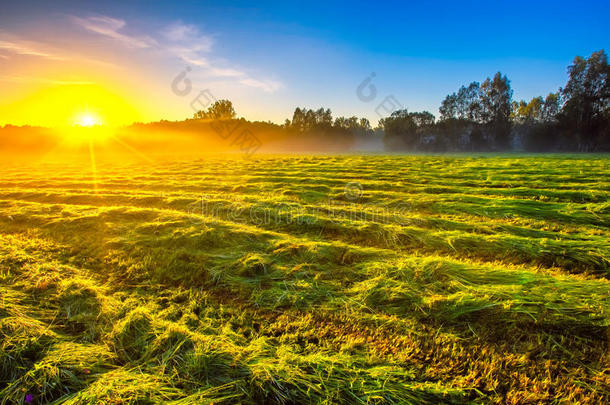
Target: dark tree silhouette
(220,110)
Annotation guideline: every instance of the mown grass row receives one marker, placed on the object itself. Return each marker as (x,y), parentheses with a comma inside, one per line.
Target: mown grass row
(267,182)
(561,179)
(580,253)
(367,205)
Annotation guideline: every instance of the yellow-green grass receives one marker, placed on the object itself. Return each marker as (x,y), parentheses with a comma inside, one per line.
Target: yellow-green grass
(307,279)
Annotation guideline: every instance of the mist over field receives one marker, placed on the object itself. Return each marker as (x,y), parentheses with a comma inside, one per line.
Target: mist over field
(21,143)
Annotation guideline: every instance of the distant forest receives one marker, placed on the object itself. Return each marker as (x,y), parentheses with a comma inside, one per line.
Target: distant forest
(478,117)
(484,117)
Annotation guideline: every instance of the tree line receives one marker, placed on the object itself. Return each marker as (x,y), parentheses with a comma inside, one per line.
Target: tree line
(484,117)
(304,123)
(478,117)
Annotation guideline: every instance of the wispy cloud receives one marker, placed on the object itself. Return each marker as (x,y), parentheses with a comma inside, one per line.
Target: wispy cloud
(269,86)
(187,33)
(110,27)
(186,42)
(13,45)
(178,40)
(27,48)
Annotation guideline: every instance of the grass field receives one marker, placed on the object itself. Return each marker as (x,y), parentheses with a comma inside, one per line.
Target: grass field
(303,279)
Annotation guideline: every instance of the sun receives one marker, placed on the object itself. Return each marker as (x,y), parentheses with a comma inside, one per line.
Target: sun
(88,120)
(87,126)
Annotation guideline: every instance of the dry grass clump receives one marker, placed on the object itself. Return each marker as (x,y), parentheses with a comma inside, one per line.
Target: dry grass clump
(131,336)
(85,307)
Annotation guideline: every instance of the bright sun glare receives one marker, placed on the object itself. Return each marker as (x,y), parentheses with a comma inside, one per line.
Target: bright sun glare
(88,120)
(86,127)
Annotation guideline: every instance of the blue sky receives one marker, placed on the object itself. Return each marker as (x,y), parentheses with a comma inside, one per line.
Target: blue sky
(273,56)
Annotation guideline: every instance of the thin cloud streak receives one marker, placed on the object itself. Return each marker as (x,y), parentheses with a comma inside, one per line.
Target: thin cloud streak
(268,86)
(27,49)
(187,33)
(13,45)
(108,26)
